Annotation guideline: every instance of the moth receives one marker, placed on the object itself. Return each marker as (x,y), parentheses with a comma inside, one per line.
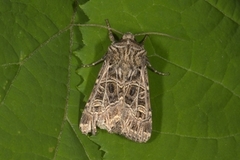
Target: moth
(119,102)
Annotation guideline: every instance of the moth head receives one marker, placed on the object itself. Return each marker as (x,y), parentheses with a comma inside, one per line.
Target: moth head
(128,35)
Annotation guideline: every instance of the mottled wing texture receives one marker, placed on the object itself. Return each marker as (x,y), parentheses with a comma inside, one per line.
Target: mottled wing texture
(119,102)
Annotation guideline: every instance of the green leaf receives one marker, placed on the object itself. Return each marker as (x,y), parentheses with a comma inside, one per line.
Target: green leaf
(39,110)
(195,109)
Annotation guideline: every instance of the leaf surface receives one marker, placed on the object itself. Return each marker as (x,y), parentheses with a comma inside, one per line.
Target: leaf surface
(195,109)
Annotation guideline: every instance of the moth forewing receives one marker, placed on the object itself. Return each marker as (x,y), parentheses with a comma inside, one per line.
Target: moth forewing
(119,102)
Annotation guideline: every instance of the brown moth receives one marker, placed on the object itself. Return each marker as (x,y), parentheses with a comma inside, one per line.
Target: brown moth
(119,102)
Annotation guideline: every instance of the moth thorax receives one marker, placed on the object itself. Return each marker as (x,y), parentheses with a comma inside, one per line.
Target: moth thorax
(128,35)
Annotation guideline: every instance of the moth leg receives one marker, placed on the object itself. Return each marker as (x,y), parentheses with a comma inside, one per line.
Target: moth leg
(149,64)
(94,63)
(143,40)
(111,37)
(156,71)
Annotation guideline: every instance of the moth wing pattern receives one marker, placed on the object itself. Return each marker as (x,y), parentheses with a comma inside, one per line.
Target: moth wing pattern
(94,107)
(119,102)
(122,108)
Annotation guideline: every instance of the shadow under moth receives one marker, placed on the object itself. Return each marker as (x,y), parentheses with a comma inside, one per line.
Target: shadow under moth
(119,102)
